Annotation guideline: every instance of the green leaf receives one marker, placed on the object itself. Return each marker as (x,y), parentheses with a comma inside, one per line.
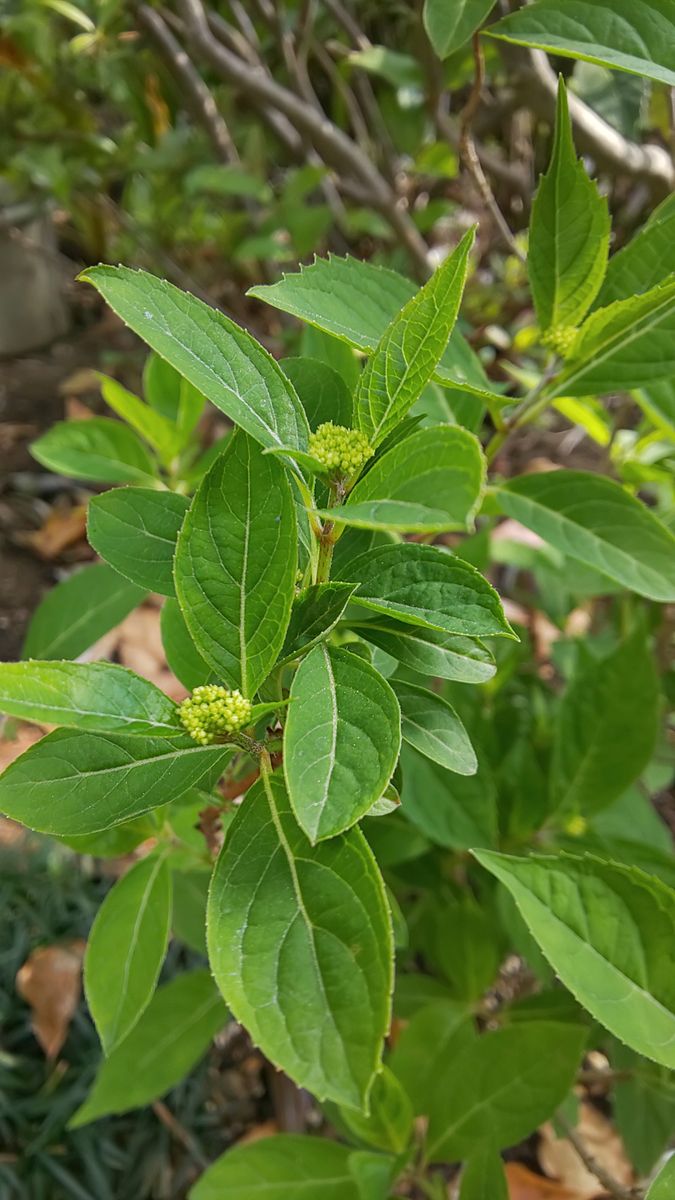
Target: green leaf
(432,726)
(425,1039)
(78,611)
(135,530)
(594,520)
(388,1125)
(162,386)
(315,612)
(97,449)
(607,931)
(157,430)
(323,393)
(429,651)
(658,402)
(235,564)
(643,1104)
(647,259)
(400,70)
(449,26)
(99,696)
(607,727)
(569,233)
(455,811)
(126,948)
(501,1087)
(190,893)
(374,1173)
(410,348)
(75,783)
(628,344)
(483,1177)
(664,1185)
(432,481)
(341,742)
(299,942)
(221,360)
(425,586)
(356,301)
(172,1034)
(629,35)
(460,940)
(182,655)
(278,1168)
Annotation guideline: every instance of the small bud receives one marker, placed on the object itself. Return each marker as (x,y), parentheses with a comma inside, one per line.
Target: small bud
(560,339)
(576,826)
(340,451)
(212,711)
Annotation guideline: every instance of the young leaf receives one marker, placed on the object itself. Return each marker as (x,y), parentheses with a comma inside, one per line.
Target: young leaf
(663,1186)
(277,1168)
(155,429)
(449,26)
(172,1034)
(607,931)
(483,1177)
(99,696)
(182,655)
(236,562)
(455,811)
(78,611)
(596,521)
(432,726)
(647,259)
(221,360)
(97,449)
(569,233)
(425,586)
(315,611)
(299,942)
(135,530)
(323,393)
(606,729)
(410,348)
(341,742)
(430,652)
(388,1125)
(356,301)
(432,481)
(622,34)
(501,1087)
(126,948)
(627,344)
(75,783)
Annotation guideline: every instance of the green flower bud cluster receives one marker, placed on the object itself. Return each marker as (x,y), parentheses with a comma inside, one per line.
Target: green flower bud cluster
(341,451)
(212,711)
(560,339)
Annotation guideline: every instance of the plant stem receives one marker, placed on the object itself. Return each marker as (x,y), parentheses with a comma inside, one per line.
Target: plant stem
(607,1181)
(534,403)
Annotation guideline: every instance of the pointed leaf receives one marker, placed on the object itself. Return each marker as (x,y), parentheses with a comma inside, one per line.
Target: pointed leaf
(430,652)
(410,348)
(596,521)
(569,233)
(75,783)
(158,431)
(449,26)
(235,564)
(483,1177)
(99,696)
(97,449)
(607,931)
(126,948)
(220,359)
(341,742)
(173,1033)
(628,35)
(299,941)
(432,726)
(646,260)
(422,585)
(388,1125)
(77,612)
(278,1167)
(135,530)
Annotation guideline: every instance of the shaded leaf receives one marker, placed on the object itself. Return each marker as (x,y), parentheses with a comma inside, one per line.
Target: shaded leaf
(135,530)
(78,611)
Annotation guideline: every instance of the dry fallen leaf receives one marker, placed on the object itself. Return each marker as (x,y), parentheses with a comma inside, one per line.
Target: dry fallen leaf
(525,1185)
(64,527)
(559,1159)
(81,381)
(21,738)
(50,981)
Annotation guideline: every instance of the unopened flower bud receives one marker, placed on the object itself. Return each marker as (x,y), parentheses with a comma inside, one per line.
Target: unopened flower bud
(212,711)
(340,451)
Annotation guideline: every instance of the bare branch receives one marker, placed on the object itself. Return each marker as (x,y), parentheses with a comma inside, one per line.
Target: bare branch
(611,1186)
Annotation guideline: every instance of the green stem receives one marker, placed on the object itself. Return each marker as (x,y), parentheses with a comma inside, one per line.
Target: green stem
(531,406)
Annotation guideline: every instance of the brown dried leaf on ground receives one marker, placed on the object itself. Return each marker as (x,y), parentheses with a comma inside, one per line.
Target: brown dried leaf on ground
(50,981)
(16,738)
(525,1185)
(559,1159)
(64,527)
